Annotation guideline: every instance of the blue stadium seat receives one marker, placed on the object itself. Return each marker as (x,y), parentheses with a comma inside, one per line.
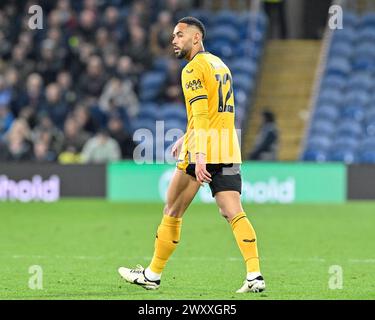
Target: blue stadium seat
(360,80)
(353,112)
(225,17)
(177,112)
(161,64)
(347,34)
(345,143)
(222,48)
(224,33)
(333,82)
(141,123)
(326,112)
(319,142)
(368,143)
(330,96)
(203,15)
(357,97)
(341,49)
(249,50)
(324,127)
(338,66)
(149,111)
(150,85)
(366,35)
(243,65)
(342,155)
(350,19)
(314,155)
(243,82)
(367,20)
(366,156)
(349,128)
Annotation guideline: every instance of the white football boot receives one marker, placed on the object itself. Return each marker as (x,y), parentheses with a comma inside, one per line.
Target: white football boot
(254,285)
(137,276)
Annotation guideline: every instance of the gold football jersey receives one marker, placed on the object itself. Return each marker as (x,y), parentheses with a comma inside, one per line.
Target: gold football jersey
(209,99)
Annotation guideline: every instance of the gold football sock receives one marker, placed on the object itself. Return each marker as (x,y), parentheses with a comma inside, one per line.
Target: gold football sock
(167,238)
(246,240)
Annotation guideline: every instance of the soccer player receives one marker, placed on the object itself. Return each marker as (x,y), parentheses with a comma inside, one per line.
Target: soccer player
(209,152)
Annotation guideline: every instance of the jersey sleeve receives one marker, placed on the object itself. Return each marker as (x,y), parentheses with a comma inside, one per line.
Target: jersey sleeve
(195,93)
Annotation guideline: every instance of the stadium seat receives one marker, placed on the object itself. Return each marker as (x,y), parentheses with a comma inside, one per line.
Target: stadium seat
(338,66)
(350,19)
(141,123)
(356,97)
(349,128)
(326,112)
(360,80)
(225,18)
(342,155)
(346,34)
(367,20)
(345,143)
(367,156)
(319,142)
(324,127)
(224,33)
(243,65)
(149,111)
(150,85)
(330,96)
(353,112)
(314,155)
(342,49)
(333,82)
(178,112)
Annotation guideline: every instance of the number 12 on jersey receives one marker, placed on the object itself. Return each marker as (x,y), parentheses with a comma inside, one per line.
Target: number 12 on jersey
(224,107)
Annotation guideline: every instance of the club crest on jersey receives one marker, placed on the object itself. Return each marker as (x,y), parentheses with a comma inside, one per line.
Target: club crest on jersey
(194,84)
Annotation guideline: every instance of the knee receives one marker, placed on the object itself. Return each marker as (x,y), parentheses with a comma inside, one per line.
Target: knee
(224,214)
(172,211)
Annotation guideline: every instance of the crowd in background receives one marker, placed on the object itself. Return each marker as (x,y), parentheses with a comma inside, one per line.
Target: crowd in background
(69,91)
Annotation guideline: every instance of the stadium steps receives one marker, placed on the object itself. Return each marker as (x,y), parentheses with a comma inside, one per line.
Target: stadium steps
(285,86)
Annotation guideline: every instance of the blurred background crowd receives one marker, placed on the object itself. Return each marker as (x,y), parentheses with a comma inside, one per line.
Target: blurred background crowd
(69,91)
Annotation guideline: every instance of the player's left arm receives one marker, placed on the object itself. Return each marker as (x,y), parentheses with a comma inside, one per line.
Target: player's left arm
(195,92)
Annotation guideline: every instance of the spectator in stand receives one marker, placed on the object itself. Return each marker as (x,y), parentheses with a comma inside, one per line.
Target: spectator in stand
(84,119)
(138,50)
(101,149)
(125,70)
(32,97)
(6,119)
(120,94)
(17,144)
(92,82)
(267,139)
(20,62)
(45,130)
(74,140)
(111,23)
(41,152)
(173,91)
(160,41)
(117,131)
(68,94)
(54,105)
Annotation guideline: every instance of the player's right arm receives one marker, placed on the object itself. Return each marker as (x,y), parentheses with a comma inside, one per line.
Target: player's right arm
(195,93)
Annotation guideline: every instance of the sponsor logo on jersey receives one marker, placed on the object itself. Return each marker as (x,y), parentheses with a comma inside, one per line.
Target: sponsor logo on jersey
(194,85)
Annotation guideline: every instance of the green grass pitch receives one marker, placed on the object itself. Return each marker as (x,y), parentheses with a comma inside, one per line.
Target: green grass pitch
(80,244)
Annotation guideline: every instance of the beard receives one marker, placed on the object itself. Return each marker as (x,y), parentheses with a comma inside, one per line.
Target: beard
(182,54)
